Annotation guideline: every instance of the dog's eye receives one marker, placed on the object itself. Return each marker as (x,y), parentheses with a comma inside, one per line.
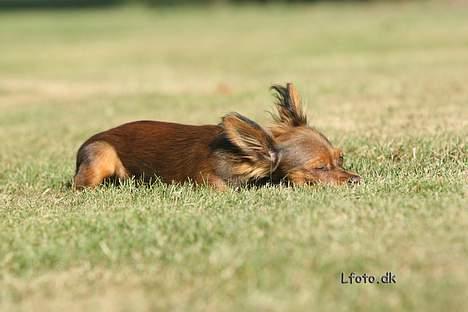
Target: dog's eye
(322,168)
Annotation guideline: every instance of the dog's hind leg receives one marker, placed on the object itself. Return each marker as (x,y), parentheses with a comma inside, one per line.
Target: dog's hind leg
(96,162)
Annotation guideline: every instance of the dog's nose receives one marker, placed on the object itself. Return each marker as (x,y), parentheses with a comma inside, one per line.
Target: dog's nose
(354,179)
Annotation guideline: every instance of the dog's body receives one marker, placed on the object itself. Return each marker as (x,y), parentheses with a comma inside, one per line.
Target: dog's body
(175,153)
(234,153)
(143,149)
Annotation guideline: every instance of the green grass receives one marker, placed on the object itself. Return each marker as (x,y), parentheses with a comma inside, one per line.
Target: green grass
(386,82)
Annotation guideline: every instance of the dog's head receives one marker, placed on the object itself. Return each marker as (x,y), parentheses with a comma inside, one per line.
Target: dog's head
(307,156)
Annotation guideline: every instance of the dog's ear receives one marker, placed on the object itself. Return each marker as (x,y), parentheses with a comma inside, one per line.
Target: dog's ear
(254,142)
(289,106)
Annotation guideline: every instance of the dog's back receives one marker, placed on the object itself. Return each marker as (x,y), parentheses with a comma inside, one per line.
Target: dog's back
(174,152)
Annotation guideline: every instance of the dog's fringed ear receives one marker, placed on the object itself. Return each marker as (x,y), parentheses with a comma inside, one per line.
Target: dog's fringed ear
(289,106)
(255,143)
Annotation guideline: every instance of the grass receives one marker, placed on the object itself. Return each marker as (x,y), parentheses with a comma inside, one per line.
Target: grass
(386,82)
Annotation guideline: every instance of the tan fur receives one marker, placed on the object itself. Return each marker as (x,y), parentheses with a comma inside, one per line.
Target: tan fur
(295,99)
(103,163)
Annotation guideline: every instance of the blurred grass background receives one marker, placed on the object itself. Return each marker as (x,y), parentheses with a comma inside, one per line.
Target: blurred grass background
(386,81)
(90,3)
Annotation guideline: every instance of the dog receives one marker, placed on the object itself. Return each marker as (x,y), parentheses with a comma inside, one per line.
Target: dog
(237,152)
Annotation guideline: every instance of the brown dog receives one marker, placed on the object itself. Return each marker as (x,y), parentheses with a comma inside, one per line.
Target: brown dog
(234,153)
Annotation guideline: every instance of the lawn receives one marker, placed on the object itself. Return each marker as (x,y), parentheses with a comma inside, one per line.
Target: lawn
(386,82)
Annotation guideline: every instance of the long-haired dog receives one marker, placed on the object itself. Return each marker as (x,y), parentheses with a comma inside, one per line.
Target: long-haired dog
(235,152)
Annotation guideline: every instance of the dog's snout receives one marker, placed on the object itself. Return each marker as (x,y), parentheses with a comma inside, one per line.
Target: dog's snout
(354,179)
